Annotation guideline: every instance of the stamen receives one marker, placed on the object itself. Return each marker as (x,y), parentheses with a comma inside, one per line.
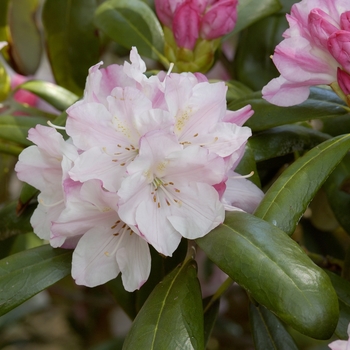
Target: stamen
(171,66)
(50,205)
(242,176)
(55,126)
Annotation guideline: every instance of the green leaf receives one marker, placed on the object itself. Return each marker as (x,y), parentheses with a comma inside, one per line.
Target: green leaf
(253,65)
(3,20)
(322,103)
(236,90)
(11,224)
(26,49)
(288,197)
(247,164)
(210,317)
(72,43)
(131,303)
(342,287)
(27,273)
(53,94)
(268,331)
(16,128)
(5,84)
(250,11)
(338,192)
(283,140)
(172,316)
(275,271)
(132,23)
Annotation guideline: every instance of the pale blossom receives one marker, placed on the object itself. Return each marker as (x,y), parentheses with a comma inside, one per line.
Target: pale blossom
(45,166)
(315,51)
(341,344)
(147,161)
(169,192)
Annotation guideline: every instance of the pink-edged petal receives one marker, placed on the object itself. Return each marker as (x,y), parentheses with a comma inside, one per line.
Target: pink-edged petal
(105,167)
(134,261)
(89,125)
(240,116)
(42,219)
(225,139)
(241,193)
(94,261)
(199,211)
(283,93)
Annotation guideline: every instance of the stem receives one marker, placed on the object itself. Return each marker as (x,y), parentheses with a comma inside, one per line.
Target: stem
(222,289)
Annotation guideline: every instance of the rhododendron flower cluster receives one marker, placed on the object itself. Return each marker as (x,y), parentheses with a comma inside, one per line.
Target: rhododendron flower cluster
(315,51)
(147,161)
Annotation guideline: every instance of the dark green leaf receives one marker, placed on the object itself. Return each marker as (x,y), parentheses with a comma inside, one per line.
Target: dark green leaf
(11,224)
(26,49)
(72,43)
(210,317)
(322,103)
(172,316)
(27,273)
(132,23)
(342,287)
(16,128)
(236,90)
(253,65)
(283,140)
(53,94)
(338,192)
(268,331)
(275,270)
(9,148)
(288,197)
(3,20)
(131,303)
(248,164)
(336,126)
(250,11)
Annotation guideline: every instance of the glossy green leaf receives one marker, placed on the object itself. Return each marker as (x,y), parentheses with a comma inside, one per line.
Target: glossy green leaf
(16,128)
(283,140)
(342,287)
(236,90)
(72,43)
(288,197)
(132,23)
(172,316)
(338,192)
(268,331)
(11,224)
(275,271)
(322,103)
(27,273)
(26,50)
(253,65)
(250,11)
(53,94)
(336,126)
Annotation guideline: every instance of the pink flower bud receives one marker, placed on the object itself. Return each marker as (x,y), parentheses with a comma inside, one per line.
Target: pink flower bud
(186,25)
(339,46)
(345,21)
(23,96)
(321,26)
(343,81)
(219,19)
(165,10)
